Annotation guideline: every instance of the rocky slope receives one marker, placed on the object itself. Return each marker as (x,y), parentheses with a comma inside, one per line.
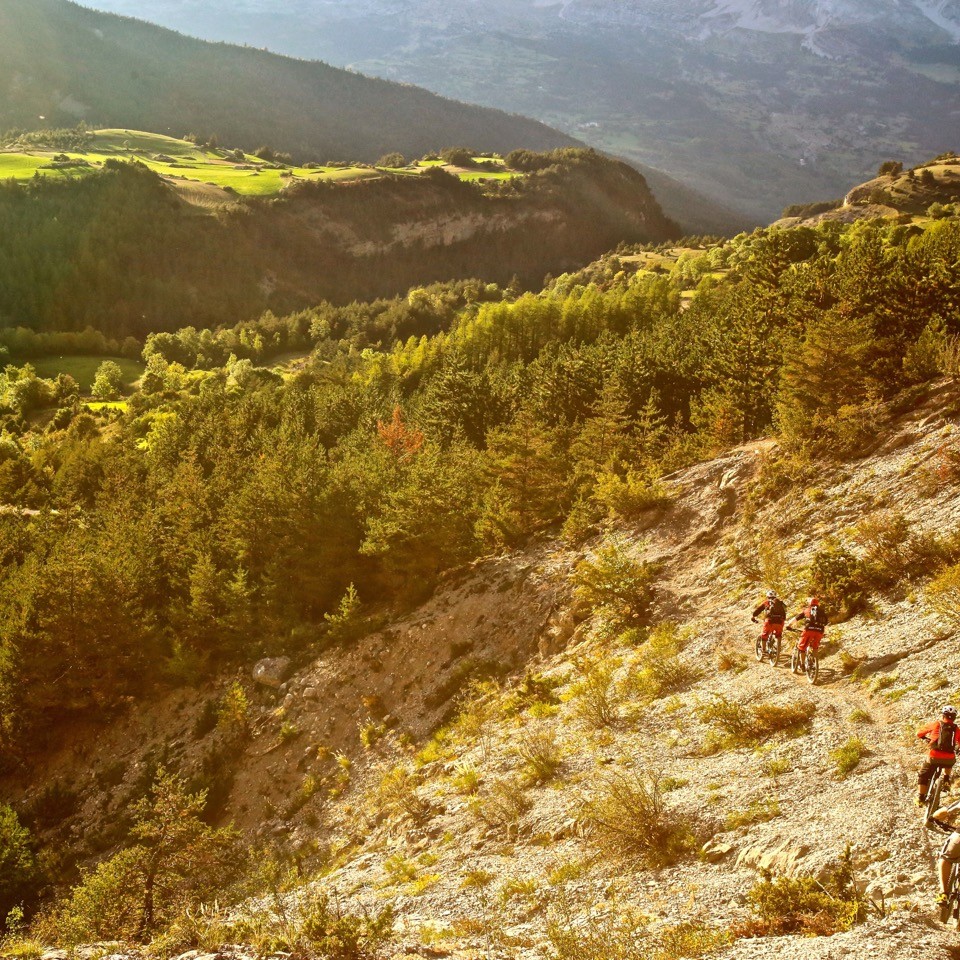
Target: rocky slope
(343,763)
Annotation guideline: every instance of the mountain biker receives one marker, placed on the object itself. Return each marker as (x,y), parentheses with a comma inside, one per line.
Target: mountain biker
(814,619)
(775,614)
(942,737)
(947,818)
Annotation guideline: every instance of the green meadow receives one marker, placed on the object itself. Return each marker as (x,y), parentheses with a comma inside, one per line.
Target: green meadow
(182,160)
(84,369)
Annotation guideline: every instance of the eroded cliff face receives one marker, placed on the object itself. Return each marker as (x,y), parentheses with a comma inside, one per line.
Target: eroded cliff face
(412,744)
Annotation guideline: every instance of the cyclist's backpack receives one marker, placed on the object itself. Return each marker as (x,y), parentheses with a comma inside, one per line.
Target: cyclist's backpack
(777,611)
(946,739)
(817,618)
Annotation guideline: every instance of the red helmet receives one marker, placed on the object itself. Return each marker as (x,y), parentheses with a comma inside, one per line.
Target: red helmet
(813,600)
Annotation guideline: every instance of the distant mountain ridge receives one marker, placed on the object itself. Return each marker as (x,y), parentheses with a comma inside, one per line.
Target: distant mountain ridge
(64,63)
(752,102)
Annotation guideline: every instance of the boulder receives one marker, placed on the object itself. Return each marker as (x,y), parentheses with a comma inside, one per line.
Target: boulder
(715,850)
(272,671)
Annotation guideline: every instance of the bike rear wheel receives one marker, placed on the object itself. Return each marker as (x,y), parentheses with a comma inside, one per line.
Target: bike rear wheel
(812,667)
(933,793)
(773,651)
(950,908)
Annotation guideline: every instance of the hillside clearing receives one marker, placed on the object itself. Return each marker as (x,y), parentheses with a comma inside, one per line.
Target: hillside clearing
(83,369)
(181,161)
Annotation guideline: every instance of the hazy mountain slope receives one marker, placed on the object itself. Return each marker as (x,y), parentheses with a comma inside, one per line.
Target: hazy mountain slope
(65,63)
(753,102)
(777,803)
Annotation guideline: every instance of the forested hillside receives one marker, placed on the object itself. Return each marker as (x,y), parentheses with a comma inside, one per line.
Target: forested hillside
(157,541)
(229,505)
(63,245)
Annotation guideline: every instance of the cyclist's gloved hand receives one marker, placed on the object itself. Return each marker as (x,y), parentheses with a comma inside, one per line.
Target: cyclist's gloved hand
(753,619)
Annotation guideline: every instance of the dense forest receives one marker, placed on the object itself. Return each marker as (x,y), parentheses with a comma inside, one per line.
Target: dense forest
(63,245)
(227,510)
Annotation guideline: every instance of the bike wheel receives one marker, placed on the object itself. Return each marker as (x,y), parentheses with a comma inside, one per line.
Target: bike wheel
(812,667)
(759,650)
(950,908)
(795,661)
(775,652)
(933,793)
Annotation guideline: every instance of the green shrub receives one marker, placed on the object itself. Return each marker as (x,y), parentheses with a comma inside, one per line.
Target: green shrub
(804,905)
(177,863)
(593,695)
(760,811)
(893,552)
(837,575)
(628,820)
(533,691)
(614,584)
(466,780)
(625,934)
(502,807)
(630,496)
(19,870)
(233,711)
(742,724)
(541,756)
(847,758)
(400,794)
(659,669)
(286,916)
(943,594)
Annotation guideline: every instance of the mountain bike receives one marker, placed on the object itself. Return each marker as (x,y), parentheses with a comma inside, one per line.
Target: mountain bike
(768,649)
(809,663)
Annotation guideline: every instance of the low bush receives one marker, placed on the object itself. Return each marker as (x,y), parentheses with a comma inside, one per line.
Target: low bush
(594,697)
(502,807)
(893,552)
(400,795)
(630,496)
(533,691)
(847,758)
(659,670)
(541,756)
(625,934)
(838,576)
(616,585)
(628,819)
(290,919)
(729,658)
(742,724)
(804,905)
(943,594)
(760,811)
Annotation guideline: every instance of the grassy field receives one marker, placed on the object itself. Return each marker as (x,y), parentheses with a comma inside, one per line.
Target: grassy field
(185,161)
(84,369)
